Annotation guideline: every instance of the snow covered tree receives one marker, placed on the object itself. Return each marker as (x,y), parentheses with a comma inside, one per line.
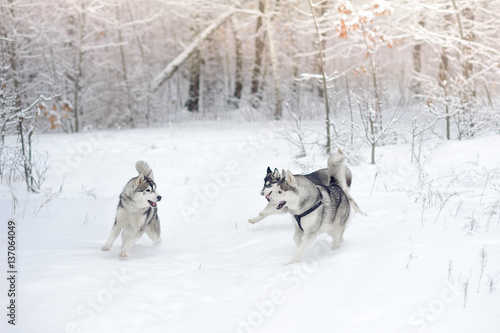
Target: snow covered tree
(121,63)
(17,117)
(459,62)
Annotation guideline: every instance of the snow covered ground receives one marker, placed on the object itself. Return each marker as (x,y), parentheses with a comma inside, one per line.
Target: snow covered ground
(412,265)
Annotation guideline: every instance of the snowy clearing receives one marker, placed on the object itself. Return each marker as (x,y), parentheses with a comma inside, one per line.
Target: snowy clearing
(412,265)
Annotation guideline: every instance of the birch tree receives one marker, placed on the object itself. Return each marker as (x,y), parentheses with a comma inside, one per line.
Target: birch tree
(259,54)
(321,62)
(278,100)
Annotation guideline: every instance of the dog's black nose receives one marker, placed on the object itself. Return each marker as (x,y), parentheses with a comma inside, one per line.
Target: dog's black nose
(159,198)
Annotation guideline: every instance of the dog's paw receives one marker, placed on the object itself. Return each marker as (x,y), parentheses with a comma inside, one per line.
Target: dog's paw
(105,248)
(122,254)
(335,246)
(255,219)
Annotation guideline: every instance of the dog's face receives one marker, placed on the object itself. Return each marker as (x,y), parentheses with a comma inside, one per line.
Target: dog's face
(270,182)
(145,192)
(286,193)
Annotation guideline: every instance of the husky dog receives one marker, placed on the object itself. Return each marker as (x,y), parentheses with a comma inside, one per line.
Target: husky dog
(316,209)
(337,173)
(324,176)
(137,212)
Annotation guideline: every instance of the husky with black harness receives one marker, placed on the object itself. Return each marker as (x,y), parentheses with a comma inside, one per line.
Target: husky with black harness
(337,173)
(316,209)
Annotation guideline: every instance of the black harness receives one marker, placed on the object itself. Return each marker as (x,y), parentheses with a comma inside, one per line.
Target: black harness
(312,209)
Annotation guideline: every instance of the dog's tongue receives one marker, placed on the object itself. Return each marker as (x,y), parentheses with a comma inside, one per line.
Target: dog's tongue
(152,203)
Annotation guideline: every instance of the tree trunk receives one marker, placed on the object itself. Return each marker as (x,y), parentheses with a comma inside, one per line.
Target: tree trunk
(466,71)
(373,135)
(238,84)
(417,58)
(322,41)
(259,53)
(193,102)
(444,77)
(444,83)
(124,70)
(278,100)
(323,74)
(467,118)
(79,59)
(371,60)
(348,90)
(13,59)
(145,68)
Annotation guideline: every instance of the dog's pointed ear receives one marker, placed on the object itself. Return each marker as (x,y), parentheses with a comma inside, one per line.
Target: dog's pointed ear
(290,179)
(150,175)
(139,180)
(276,173)
(269,170)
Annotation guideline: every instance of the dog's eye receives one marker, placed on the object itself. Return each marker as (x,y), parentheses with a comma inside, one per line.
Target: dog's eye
(280,192)
(148,190)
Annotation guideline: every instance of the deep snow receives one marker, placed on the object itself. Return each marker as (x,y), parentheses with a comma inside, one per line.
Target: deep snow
(400,269)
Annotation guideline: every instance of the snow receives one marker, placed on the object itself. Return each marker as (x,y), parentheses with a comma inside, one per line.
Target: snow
(215,272)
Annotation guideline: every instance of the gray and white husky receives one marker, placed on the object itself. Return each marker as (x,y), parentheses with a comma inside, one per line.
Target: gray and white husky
(337,173)
(137,211)
(316,209)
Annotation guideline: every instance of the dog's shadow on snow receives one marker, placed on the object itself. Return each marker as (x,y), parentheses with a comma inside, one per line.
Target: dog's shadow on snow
(140,251)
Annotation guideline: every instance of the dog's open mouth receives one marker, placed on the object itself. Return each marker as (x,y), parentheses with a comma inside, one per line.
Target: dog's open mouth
(281,204)
(151,203)
(267,196)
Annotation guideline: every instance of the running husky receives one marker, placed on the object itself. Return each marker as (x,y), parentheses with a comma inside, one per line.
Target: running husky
(316,209)
(337,173)
(137,211)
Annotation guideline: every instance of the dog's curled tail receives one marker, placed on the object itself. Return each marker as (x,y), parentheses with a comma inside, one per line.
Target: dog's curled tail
(343,176)
(144,169)
(337,169)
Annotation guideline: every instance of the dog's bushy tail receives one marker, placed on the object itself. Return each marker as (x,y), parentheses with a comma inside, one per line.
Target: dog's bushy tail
(144,169)
(337,169)
(342,176)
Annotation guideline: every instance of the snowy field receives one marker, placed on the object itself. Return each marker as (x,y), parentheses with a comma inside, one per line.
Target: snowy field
(414,264)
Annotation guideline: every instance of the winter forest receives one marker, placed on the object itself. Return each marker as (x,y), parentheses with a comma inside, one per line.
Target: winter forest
(379,69)
(67,66)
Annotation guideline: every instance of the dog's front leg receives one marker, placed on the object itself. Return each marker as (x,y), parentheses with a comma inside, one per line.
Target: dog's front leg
(115,232)
(269,210)
(297,236)
(128,240)
(153,231)
(307,240)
